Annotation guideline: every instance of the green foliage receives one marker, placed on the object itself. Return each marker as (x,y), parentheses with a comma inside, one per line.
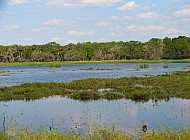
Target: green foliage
(176,48)
(167,134)
(3,71)
(96,133)
(143,66)
(135,88)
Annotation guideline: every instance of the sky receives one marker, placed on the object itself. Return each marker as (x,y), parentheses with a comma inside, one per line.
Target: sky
(27,22)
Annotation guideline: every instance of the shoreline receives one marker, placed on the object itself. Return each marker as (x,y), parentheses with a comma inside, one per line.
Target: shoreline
(93,62)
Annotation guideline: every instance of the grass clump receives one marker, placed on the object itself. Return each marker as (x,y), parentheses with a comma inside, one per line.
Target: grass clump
(167,134)
(55,65)
(85,95)
(165,67)
(144,66)
(96,133)
(135,88)
(101,69)
(3,71)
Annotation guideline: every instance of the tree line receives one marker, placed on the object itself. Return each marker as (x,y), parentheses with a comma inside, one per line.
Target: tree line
(155,48)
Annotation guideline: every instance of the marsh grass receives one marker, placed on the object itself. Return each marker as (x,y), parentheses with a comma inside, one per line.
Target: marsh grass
(54,66)
(144,66)
(94,62)
(167,134)
(101,69)
(159,87)
(3,71)
(96,133)
(165,67)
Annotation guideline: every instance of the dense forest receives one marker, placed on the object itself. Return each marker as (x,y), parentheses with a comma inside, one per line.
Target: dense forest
(155,48)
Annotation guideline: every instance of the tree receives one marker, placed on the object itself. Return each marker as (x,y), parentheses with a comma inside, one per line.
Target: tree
(154,49)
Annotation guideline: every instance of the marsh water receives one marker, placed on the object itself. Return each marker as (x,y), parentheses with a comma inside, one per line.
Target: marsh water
(16,75)
(62,113)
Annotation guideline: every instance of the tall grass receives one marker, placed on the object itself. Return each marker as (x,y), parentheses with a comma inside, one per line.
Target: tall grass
(143,66)
(94,62)
(94,134)
(3,71)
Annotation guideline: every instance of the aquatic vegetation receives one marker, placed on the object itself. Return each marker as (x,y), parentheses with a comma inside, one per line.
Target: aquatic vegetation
(96,133)
(103,69)
(3,71)
(144,66)
(165,67)
(94,62)
(85,95)
(55,65)
(152,87)
(167,134)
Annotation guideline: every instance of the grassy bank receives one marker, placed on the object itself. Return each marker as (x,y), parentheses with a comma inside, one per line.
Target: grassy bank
(95,62)
(97,134)
(135,88)
(2,71)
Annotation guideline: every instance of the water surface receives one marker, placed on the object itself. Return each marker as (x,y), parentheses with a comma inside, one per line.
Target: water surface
(64,113)
(17,75)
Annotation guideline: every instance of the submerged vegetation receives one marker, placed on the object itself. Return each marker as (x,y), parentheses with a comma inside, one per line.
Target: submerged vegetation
(104,69)
(136,88)
(94,134)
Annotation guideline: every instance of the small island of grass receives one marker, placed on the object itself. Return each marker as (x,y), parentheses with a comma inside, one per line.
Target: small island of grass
(136,88)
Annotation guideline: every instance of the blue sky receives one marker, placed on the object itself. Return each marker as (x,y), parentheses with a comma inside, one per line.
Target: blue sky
(71,21)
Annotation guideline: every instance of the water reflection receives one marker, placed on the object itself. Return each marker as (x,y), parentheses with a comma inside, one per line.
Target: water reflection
(64,113)
(16,75)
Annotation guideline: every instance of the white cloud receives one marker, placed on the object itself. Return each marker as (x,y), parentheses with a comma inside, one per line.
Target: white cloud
(80,33)
(71,41)
(154,28)
(100,2)
(131,5)
(80,3)
(57,39)
(187,20)
(17,2)
(121,18)
(145,28)
(61,4)
(103,23)
(25,39)
(182,13)
(43,29)
(55,22)
(11,27)
(30,11)
(147,7)
(148,15)
(180,0)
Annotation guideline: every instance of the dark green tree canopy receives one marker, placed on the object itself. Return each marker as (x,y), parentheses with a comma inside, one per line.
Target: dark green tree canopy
(155,48)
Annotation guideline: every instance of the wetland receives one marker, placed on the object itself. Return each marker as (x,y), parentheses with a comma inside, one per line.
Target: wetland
(79,96)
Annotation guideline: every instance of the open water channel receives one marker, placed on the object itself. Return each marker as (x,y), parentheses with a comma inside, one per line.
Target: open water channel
(63,113)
